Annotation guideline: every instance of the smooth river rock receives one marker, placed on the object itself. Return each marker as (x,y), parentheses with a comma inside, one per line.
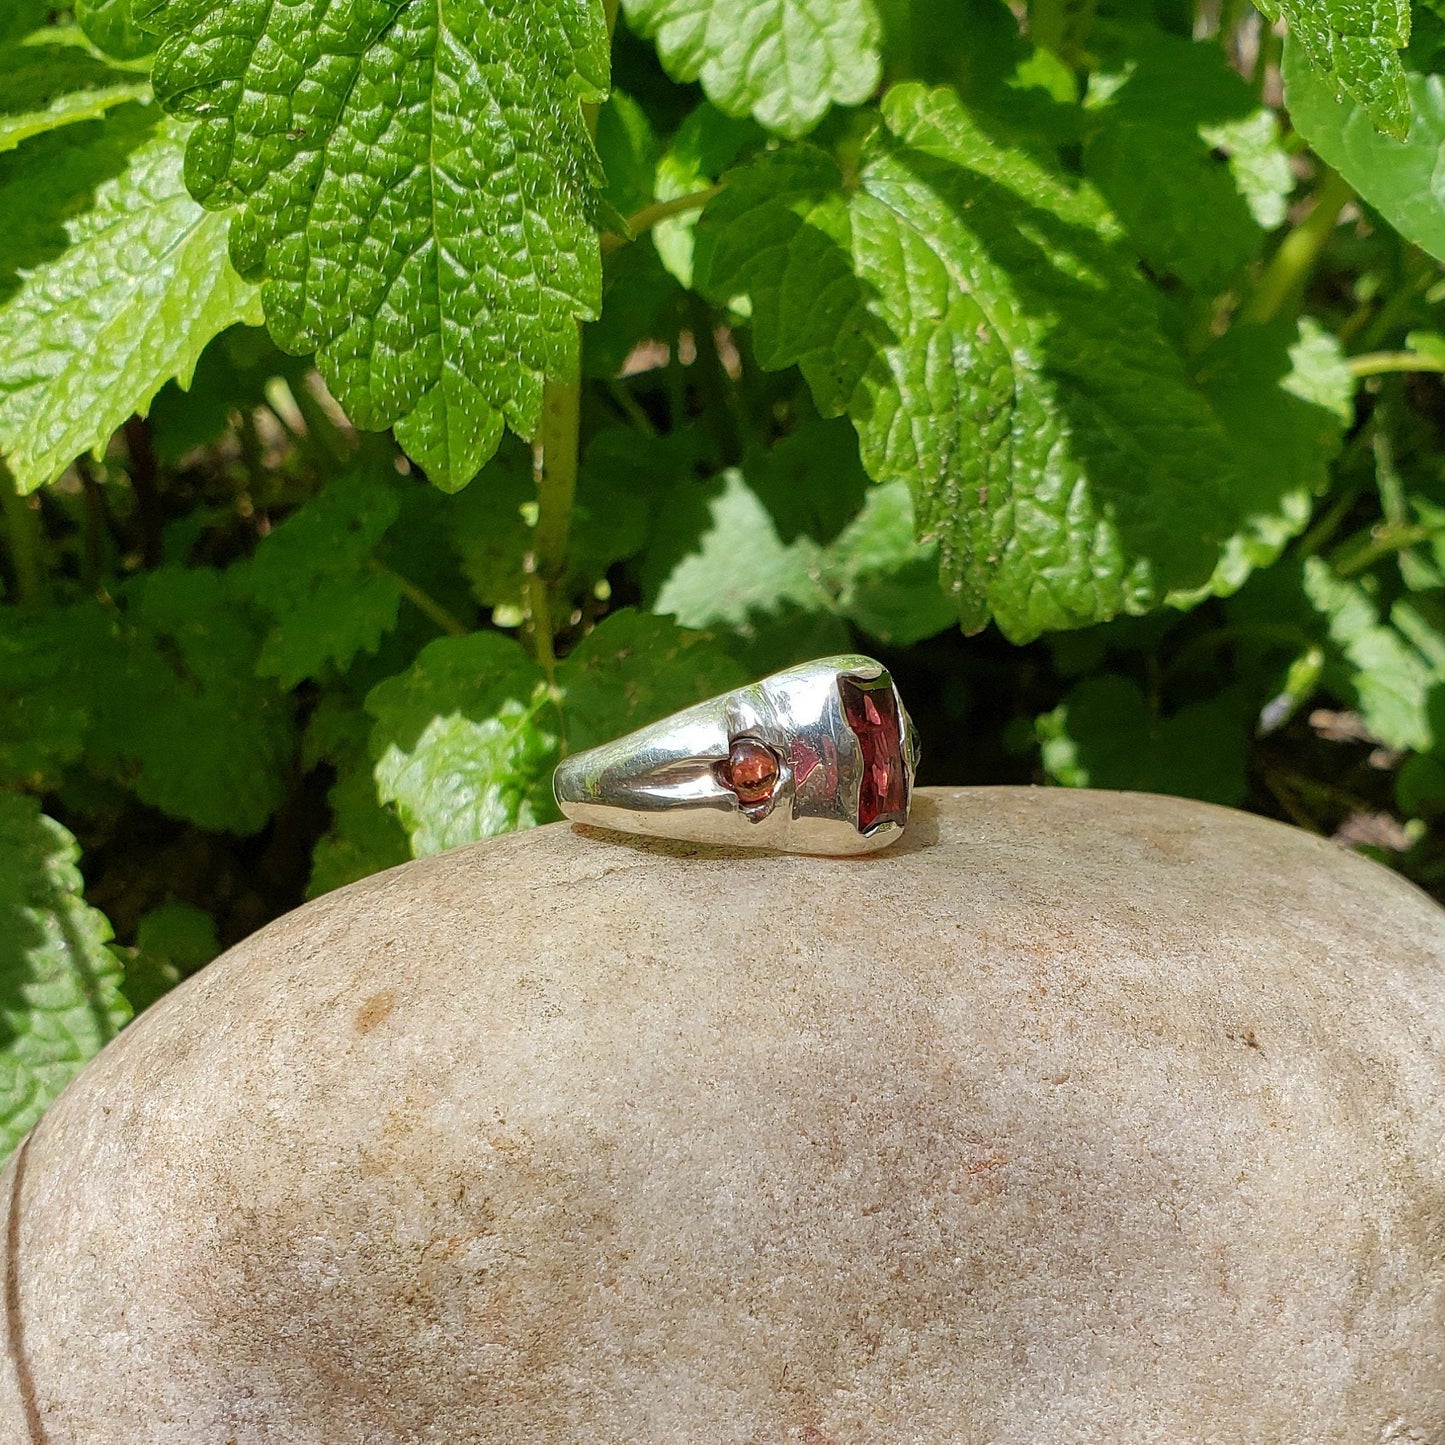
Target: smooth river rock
(1075,1117)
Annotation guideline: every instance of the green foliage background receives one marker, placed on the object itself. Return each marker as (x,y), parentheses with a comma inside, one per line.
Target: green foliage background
(395,397)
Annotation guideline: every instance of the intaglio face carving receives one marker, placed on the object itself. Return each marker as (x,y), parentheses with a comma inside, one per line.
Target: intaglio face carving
(818,759)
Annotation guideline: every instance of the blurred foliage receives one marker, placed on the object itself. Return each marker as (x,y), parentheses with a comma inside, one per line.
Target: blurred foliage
(1085,369)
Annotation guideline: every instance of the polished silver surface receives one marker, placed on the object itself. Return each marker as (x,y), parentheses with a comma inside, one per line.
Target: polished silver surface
(817,759)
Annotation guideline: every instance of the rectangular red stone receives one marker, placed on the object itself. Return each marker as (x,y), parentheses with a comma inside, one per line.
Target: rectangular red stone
(871,711)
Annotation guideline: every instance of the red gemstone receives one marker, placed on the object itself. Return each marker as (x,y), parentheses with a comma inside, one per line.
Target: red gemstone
(751,771)
(871,710)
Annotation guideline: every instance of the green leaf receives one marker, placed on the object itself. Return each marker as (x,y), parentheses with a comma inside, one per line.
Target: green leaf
(642,302)
(417,189)
(60,997)
(465,742)
(50,81)
(1388,678)
(364,837)
(1286,396)
(1354,46)
(230,380)
(466,739)
(782,61)
(94,330)
(629,152)
(976,317)
(811,481)
(716,561)
(49,665)
(633,669)
(172,941)
(491,527)
(183,718)
(19,18)
(110,26)
(705,145)
(1259,163)
(719,561)
(1404,179)
(885,582)
(317,577)
(1106,735)
(1159,118)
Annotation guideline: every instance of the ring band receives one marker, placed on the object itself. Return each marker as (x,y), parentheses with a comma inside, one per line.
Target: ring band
(819,758)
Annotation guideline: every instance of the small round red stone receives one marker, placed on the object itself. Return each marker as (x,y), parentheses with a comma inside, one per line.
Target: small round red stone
(751,771)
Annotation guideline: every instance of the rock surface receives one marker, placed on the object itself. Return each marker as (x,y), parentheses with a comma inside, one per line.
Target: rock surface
(1075,1117)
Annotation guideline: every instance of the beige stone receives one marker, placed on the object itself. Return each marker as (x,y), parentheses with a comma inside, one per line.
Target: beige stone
(1076,1117)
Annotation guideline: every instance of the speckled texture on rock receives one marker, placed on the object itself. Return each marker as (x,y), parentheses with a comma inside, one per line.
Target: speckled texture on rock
(1076,1117)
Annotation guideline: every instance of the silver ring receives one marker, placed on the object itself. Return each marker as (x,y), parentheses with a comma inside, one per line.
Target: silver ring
(818,759)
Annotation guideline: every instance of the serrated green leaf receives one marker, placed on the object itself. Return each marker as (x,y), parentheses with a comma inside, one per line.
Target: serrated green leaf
(19,18)
(782,61)
(1106,735)
(465,742)
(885,581)
(629,152)
(976,317)
(317,578)
(1354,46)
(1286,396)
(60,997)
(718,561)
(49,665)
(1388,679)
(1259,163)
(417,188)
(173,940)
(631,670)
(812,481)
(1157,119)
(50,81)
(364,837)
(110,26)
(91,334)
(230,380)
(706,144)
(490,527)
(1404,179)
(184,719)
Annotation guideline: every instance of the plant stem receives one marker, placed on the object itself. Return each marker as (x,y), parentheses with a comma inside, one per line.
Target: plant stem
(556,476)
(97,523)
(631,408)
(1313,542)
(424,602)
(1355,557)
(23,524)
(537,599)
(1284,279)
(1420,274)
(150,512)
(1383,363)
(555,460)
(644,220)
